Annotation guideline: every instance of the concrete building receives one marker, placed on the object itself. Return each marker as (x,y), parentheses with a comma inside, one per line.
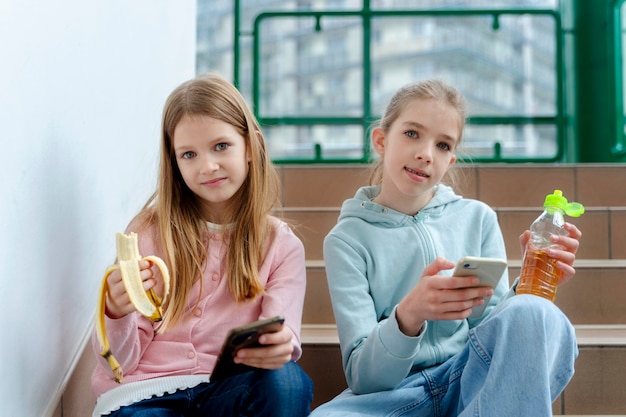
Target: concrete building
(314,67)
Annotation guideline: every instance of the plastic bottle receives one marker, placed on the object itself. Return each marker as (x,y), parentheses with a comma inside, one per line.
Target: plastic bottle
(540,275)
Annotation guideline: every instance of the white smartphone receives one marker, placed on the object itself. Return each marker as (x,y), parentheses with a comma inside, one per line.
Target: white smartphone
(488,270)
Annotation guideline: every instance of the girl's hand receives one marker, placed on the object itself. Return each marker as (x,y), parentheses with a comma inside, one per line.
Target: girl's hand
(437,297)
(565,257)
(118,303)
(275,352)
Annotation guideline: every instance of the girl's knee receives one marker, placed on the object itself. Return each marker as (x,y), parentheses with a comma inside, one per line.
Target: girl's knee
(527,316)
(530,310)
(287,388)
(292,378)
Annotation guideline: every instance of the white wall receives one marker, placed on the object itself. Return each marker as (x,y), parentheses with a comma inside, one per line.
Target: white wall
(82,86)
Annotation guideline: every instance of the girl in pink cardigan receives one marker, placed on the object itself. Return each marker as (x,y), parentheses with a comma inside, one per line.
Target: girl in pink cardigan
(230,263)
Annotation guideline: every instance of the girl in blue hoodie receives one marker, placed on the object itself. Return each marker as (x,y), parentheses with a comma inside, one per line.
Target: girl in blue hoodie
(408,344)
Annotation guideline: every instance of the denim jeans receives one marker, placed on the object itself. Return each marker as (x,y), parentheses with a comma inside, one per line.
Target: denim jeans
(515,363)
(285,392)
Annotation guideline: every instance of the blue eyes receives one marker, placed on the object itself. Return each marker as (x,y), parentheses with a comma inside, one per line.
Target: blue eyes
(220,147)
(412,134)
(415,135)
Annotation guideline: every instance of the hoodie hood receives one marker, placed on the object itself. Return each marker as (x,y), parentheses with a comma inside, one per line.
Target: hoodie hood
(362,206)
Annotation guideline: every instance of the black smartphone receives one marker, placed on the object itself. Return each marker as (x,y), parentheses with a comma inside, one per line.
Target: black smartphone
(239,338)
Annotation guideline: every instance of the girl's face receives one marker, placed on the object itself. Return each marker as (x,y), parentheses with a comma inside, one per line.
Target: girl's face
(213,159)
(417,151)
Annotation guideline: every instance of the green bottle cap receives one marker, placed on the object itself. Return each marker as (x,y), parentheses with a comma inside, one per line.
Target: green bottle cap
(557,200)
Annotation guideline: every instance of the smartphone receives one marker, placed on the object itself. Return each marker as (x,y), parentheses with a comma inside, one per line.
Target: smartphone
(239,338)
(488,270)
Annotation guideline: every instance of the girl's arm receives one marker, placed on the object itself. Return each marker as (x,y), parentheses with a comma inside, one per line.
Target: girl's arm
(128,337)
(129,333)
(285,269)
(376,355)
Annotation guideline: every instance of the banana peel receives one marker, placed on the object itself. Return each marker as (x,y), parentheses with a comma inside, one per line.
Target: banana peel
(148,303)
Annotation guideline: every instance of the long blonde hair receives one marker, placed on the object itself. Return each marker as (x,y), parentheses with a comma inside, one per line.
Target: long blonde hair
(431,89)
(177,211)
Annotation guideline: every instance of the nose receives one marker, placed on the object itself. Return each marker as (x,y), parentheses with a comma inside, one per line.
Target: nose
(424,153)
(210,164)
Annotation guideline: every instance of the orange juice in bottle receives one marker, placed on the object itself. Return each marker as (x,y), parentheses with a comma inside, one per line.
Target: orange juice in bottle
(540,275)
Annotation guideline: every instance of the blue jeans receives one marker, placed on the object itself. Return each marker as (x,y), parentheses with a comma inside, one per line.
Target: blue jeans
(285,392)
(515,363)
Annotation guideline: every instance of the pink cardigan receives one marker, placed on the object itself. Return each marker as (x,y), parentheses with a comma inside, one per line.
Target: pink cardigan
(191,347)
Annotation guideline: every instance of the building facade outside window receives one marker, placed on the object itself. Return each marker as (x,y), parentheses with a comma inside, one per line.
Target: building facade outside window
(315,68)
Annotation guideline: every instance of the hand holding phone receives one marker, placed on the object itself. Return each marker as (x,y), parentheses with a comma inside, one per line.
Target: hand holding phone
(239,338)
(488,270)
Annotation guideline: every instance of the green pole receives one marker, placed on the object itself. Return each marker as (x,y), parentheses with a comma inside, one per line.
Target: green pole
(619,149)
(236,45)
(367,76)
(594,69)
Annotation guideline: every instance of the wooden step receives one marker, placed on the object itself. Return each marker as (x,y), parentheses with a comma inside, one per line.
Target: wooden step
(587,335)
(603,229)
(499,185)
(594,296)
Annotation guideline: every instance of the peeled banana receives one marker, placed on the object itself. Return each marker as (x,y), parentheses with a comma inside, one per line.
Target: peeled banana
(148,303)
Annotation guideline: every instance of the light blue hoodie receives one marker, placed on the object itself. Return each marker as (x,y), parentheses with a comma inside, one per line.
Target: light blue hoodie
(375,255)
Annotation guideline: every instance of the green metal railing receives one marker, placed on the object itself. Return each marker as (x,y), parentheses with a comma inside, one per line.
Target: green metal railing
(619,148)
(366,118)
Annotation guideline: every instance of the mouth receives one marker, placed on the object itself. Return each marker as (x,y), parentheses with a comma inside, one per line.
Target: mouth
(214,181)
(418,173)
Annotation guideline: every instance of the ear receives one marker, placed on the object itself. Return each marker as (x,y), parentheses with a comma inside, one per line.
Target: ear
(378,140)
